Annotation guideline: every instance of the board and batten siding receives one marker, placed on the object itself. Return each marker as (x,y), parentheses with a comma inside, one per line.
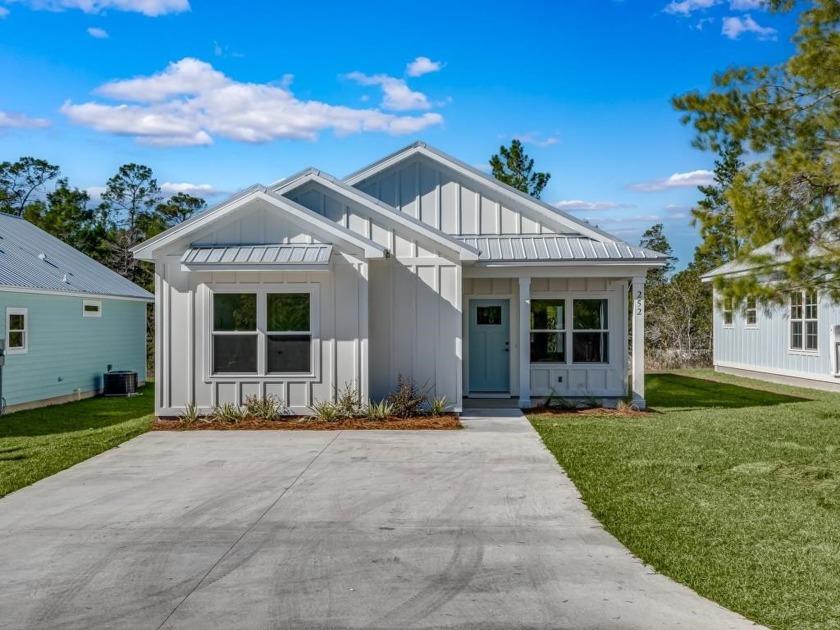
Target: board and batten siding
(415,299)
(67,353)
(766,346)
(454,204)
(609,380)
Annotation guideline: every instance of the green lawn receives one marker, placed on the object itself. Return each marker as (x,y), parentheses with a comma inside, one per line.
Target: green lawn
(732,488)
(39,443)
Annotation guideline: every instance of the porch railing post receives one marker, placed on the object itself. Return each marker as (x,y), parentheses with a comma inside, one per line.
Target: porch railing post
(524,342)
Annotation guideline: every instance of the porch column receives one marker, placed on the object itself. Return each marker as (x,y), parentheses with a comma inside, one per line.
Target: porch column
(524,342)
(637,386)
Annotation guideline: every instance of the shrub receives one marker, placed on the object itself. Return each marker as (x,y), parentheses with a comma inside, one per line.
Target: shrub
(227,412)
(438,406)
(326,411)
(190,415)
(408,400)
(349,401)
(379,411)
(265,408)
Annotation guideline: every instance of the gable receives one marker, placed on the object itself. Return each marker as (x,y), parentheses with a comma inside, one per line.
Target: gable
(255,224)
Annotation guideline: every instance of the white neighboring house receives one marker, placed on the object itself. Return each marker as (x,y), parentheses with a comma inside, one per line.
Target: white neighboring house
(797,343)
(417,265)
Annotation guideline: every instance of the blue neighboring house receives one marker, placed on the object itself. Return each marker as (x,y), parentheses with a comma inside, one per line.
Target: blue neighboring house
(66,319)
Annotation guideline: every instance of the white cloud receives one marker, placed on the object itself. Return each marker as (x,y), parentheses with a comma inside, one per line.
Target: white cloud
(3,12)
(152,8)
(21,121)
(613,220)
(196,190)
(95,193)
(98,33)
(687,7)
(691,179)
(576,205)
(734,27)
(536,139)
(421,66)
(190,103)
(396,95)
(747,5)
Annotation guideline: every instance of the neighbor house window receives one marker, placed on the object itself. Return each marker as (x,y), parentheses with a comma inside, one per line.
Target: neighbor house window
(17,330)
(590,336)
(92,308)
(235,333)
(728,309)
(548,331)
(804,321)
(288,333)
(751,313)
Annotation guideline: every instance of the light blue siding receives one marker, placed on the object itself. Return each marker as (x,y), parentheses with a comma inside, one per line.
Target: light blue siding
(766,346)
(68,353)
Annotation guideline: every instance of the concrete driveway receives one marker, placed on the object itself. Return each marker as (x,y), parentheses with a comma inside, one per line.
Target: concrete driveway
(476,529)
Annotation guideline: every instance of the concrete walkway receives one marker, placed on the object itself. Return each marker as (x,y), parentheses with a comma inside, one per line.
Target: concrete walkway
(475,529)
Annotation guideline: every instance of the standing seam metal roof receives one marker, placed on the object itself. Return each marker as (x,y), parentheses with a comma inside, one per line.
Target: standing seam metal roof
(280,254)
(33,259)
(553,247)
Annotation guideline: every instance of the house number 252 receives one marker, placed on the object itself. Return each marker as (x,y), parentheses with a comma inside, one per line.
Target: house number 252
(639,303)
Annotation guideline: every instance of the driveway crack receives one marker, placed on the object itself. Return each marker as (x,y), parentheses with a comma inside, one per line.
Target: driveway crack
(248,529)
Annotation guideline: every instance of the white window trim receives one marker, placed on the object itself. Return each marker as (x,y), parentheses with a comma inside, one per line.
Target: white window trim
(96,303)
(569,298)
(603,331)
(747,309)
(262,291)
(562,331)
(727,306)
(803,350)
(13,310)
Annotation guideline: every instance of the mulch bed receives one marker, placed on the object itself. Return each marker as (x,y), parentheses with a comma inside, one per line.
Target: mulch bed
(557,412)
(306,423)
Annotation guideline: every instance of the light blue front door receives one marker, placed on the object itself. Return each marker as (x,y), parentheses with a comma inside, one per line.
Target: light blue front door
(489,346)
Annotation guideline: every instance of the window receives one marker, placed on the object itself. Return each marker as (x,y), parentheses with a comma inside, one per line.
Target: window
(804,321)
(17,335)
(262,333)
(488,316)
(91,308)
(727,310)
(751,313)
(590,336)
(548,331)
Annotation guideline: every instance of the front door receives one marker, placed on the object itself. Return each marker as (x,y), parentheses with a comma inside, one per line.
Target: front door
(490,346)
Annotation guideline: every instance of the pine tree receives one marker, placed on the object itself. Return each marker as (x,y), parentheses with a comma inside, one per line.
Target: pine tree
(515,168)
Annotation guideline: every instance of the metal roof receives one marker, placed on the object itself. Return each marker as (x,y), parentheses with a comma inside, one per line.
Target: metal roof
(34,260)
(555,247)
(280,254)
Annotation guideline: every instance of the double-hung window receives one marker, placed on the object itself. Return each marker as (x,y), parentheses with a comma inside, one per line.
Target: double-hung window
(590,336)
(804,321)
(548,331)
(17,330)
(262,333)
(728,311)
(751,313)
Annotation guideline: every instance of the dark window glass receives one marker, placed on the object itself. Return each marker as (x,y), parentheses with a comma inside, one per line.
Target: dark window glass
(16,340)
(234,354)
(234,311)
(811,336)
(17,322)
(289,353)
(590,314)
(548,314)
(489,315)
(288,311)
(548,347)
(590,347)
(796,335)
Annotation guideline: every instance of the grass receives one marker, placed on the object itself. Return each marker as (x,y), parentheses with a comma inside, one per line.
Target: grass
(41,442)
(732,488)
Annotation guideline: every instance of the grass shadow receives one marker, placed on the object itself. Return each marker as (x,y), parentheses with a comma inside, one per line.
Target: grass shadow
(91,413)
(674,391)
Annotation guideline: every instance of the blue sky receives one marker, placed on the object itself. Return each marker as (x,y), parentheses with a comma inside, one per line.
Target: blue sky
(215,96)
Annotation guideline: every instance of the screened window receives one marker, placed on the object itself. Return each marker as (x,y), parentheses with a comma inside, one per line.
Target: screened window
(804,321)
(728,311)
(235,333)
(17,332)
(751,313)
(548,331)
(289,334)
(590,336)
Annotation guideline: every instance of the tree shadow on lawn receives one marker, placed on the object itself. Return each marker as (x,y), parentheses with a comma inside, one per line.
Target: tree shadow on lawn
(669,391)
(91,413)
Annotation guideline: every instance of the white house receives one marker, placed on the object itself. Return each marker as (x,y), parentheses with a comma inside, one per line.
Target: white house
(417,265)
(795,343)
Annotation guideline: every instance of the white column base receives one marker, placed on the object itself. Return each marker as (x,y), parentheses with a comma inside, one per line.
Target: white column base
(525,403)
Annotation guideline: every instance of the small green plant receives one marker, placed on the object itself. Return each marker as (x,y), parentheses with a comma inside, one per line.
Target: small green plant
(265,408)
(438,406)
(349,401)
(326,411)
(189,415)
(381,410)
(408,400)
(227,412)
